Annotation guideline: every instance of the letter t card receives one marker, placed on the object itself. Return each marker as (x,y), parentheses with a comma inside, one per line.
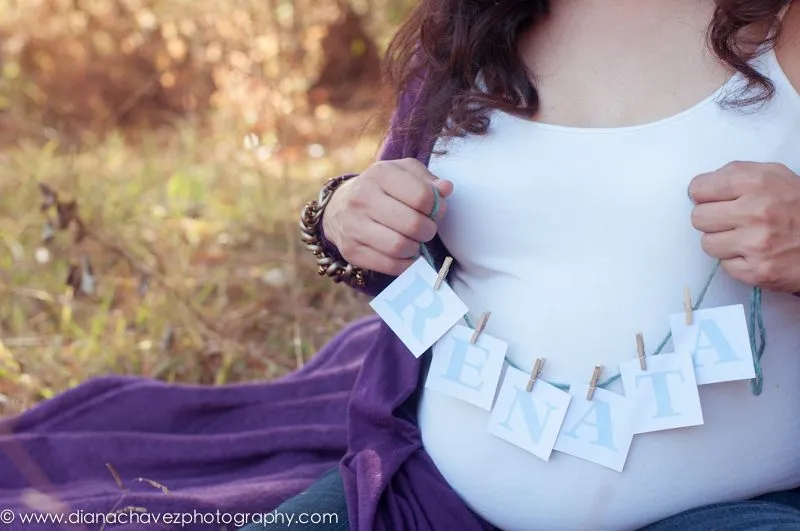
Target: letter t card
(664,396)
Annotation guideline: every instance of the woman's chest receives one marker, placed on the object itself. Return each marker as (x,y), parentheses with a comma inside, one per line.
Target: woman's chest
(544,188)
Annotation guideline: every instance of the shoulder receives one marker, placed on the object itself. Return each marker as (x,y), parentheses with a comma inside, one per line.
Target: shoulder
(787,47)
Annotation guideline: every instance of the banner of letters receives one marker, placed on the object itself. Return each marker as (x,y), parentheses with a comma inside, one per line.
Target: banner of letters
(714,348)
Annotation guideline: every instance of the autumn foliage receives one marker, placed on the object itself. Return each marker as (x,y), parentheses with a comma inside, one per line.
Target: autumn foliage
(91,66)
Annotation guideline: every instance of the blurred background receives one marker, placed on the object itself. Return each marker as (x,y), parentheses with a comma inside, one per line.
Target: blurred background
(154,158)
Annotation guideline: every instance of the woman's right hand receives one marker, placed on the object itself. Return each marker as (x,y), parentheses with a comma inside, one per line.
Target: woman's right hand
(378,219)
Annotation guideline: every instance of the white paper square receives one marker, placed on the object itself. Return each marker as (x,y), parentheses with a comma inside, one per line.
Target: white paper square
(466,371)
(599,430)
(664,396)
(417,313)
(529,420)
(719,342)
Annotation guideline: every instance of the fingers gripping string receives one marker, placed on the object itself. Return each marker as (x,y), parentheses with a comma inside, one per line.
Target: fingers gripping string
(437,204)
(756,329)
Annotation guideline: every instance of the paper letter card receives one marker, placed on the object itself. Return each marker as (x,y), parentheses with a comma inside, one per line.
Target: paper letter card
(466,371)
(718,341)
(417,313)
(664,396)
(529,420)
(597,430)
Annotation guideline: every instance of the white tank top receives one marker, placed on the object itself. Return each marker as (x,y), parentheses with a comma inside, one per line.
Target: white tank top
(575,239)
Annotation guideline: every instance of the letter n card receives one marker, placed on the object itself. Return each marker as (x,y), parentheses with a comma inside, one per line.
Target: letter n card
(530,420)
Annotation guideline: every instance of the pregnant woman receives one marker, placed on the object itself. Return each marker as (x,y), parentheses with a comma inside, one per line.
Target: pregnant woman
(592,158)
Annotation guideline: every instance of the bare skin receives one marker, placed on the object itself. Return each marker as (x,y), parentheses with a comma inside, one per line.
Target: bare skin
(378,220)
(609,64)
(612,64)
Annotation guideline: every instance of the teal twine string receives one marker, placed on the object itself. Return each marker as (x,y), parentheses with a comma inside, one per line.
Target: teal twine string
(757,322)
(437,204)
(756,329)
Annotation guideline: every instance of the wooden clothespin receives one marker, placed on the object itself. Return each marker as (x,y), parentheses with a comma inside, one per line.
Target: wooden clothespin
(537,370)
(479,328)
(687,305)
(640,350)
(593,385)
(443,272)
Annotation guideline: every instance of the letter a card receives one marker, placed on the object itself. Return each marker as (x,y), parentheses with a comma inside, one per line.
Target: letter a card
(467,371)
(529,420)
(718,341)
(597,430)
(664,396)
(417,313)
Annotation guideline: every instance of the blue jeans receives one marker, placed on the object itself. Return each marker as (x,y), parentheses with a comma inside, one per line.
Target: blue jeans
(772,512)
(776,511)
(325,496)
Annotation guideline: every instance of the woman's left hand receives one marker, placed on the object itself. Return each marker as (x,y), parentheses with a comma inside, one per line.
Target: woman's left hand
(749,214)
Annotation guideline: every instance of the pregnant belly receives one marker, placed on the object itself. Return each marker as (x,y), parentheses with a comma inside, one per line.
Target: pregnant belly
(747,446)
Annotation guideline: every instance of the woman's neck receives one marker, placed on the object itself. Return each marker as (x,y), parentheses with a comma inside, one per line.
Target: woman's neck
(610,64)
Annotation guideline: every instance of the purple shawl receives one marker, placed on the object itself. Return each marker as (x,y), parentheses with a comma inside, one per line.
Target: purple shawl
(244,448)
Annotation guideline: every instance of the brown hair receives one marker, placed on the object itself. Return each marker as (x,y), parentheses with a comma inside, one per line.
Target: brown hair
(444,44)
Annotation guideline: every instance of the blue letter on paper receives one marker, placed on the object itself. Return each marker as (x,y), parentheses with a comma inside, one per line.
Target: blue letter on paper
(458,360)
(408,297)
(661,390)
(464,370)
(716,343)
(597,430)
(664,396)
(602,423)
(534,431)
(528,409)
(417,323)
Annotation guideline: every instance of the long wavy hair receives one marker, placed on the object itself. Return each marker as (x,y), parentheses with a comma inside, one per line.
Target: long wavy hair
(443,45)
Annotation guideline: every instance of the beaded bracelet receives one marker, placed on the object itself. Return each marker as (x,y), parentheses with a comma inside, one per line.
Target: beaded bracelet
(311,234)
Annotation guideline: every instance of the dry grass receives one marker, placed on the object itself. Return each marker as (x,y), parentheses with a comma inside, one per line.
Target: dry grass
(192,270)
(154,157)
